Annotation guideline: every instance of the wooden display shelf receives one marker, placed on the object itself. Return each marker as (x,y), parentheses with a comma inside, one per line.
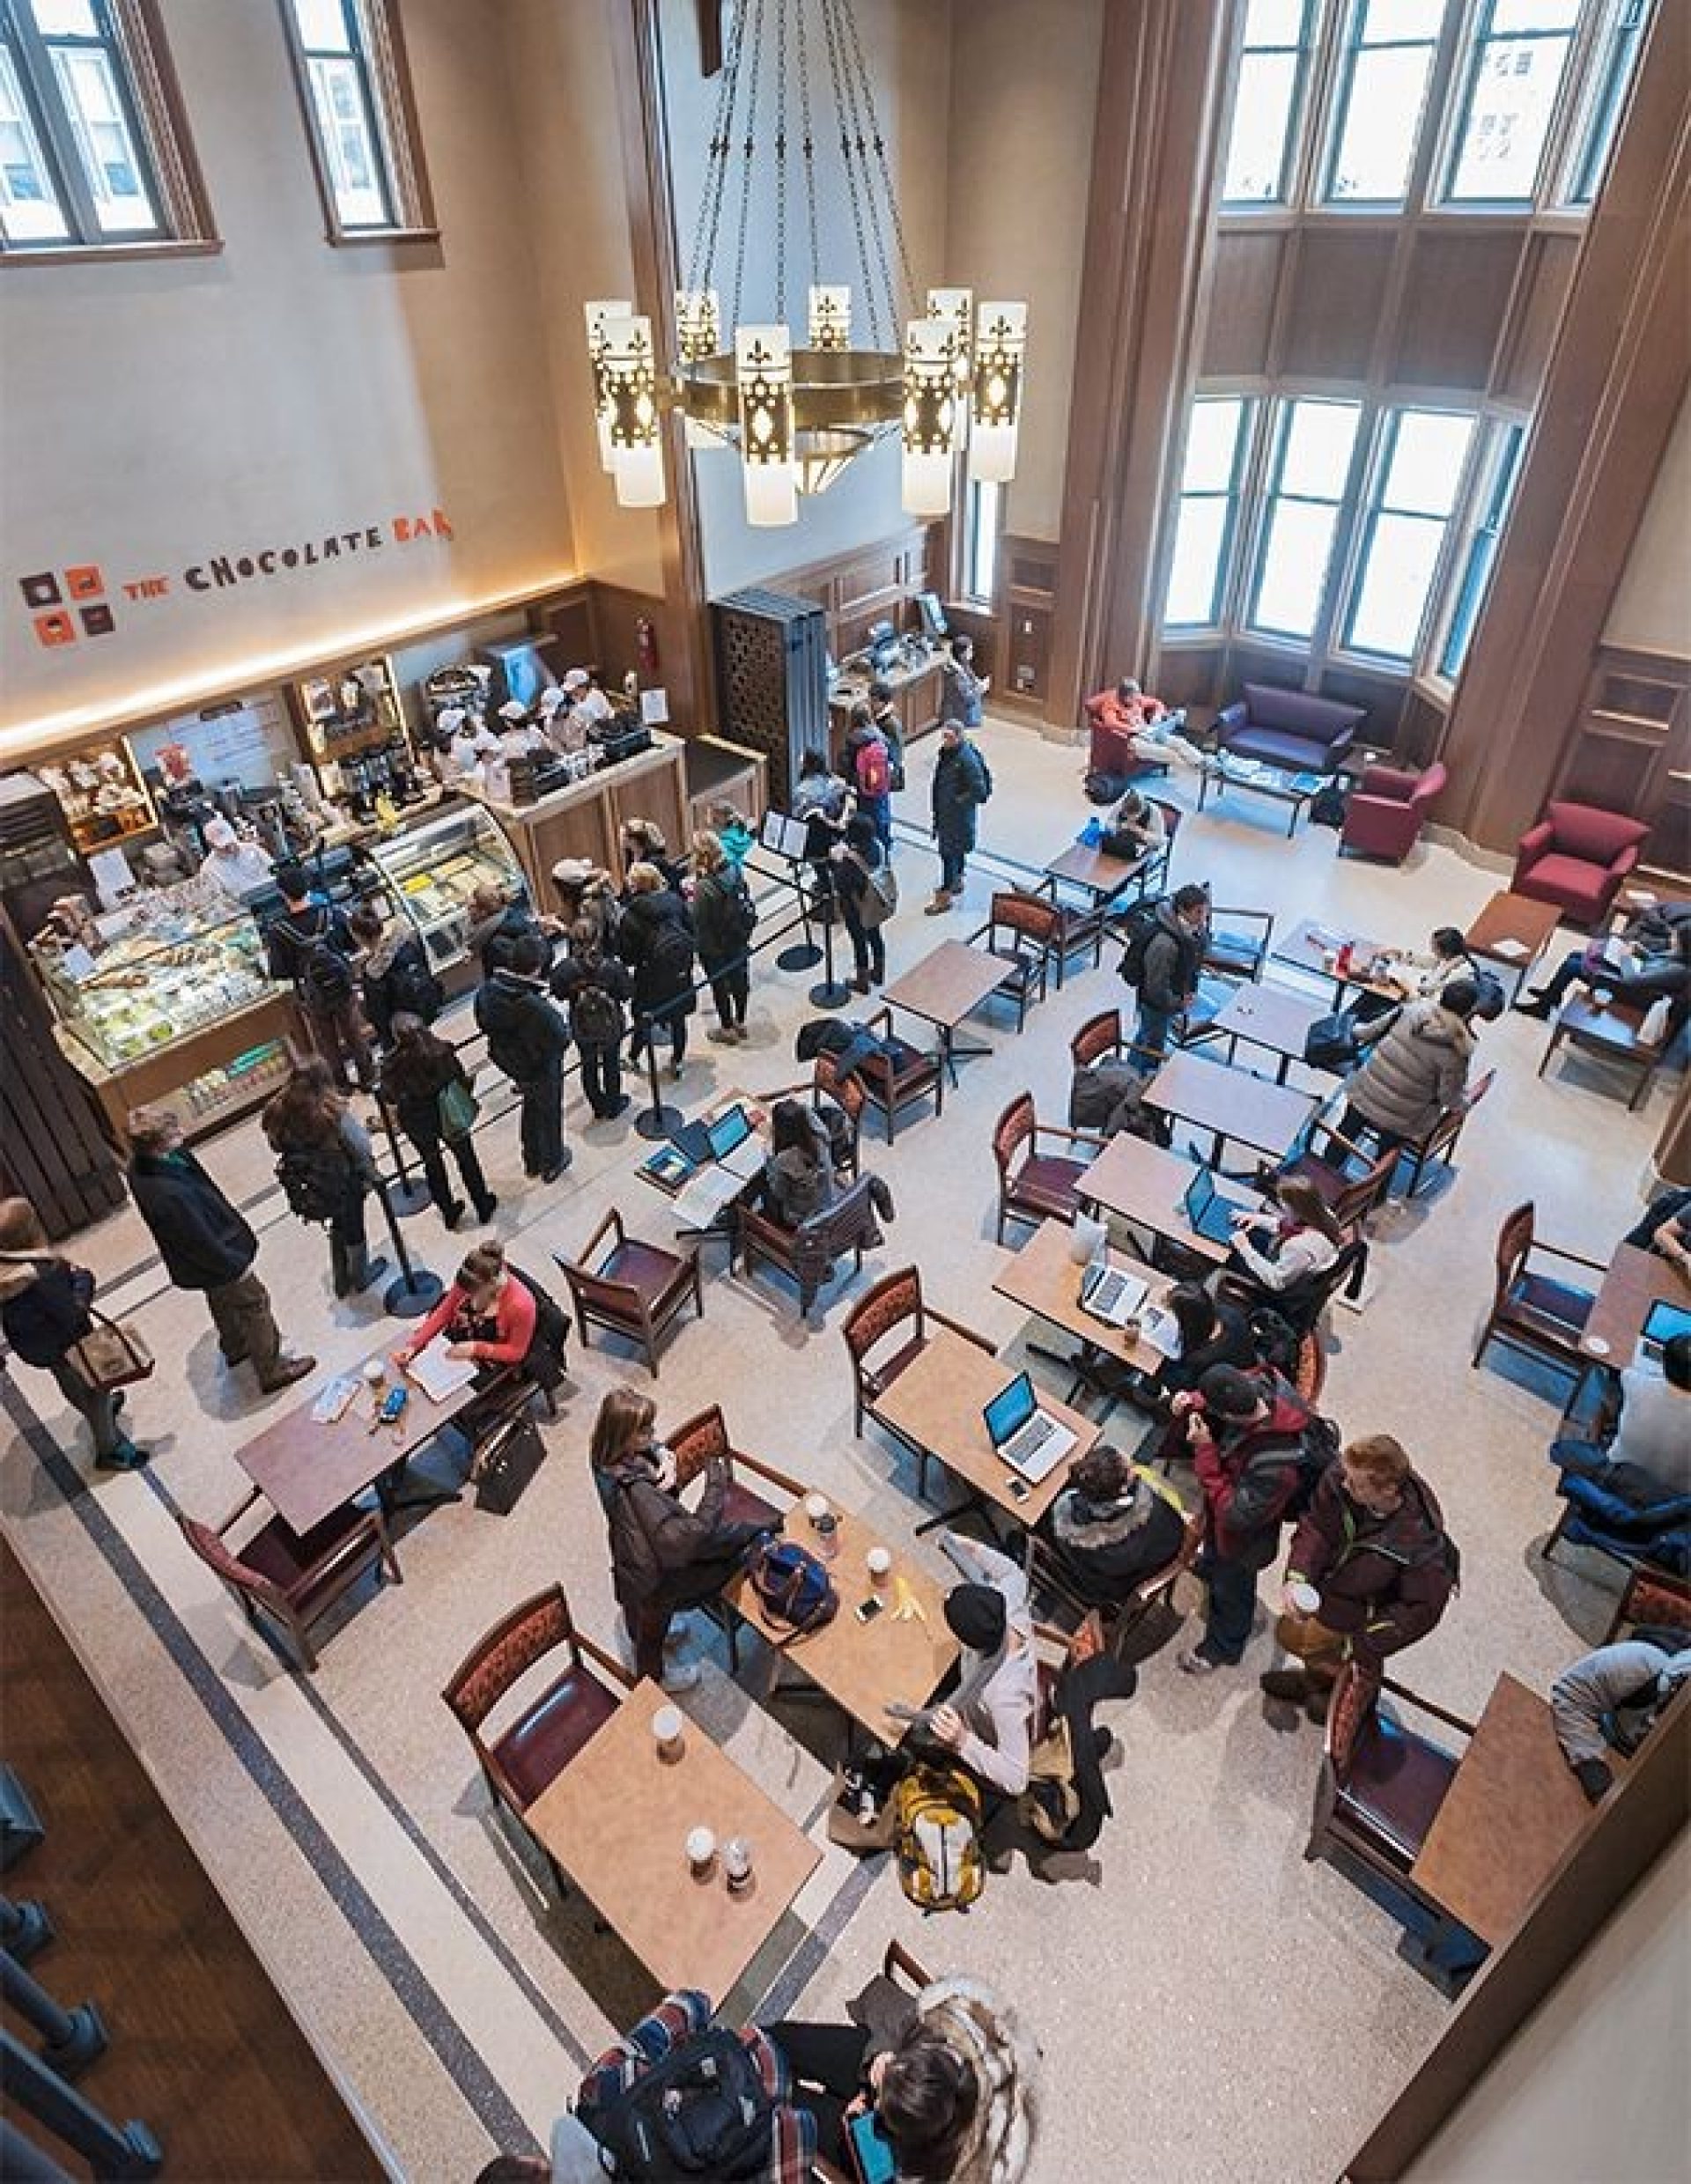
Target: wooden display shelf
(586,818)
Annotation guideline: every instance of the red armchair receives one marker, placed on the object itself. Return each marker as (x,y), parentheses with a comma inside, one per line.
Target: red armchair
(1386,814)
(1577,857)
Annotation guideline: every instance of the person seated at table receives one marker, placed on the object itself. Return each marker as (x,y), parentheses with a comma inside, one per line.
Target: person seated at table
(1372,1544)
(1414,1068)
(1424,976)
(1135,827)
(1652,963)
(1610,1700)
(1653,1431)
(987,1723)
(1213,1331)
(497,1316)
(1111,1525)
(1665,1229)
(1151,732)
(1281,1253)
(798,1177)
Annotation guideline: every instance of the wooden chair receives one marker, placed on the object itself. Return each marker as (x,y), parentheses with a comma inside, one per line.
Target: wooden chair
(891,1081)
(1652,1600)
(633,1289)
(826,1085)
(693,1445)
(888,1998)
(1381,1782)
(815,1247)
(1351,1180)
(894,1306)
(1034,1185)
(1613,1035)
(1534,1311)
(1026,932)
(1440,1141)
(549,1730)
(1099,1036)
(1303,1304)
(294,1578)
(1238,948)
(1120,1617)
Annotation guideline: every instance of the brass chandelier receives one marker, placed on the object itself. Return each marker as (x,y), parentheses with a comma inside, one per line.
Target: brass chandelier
(798,414)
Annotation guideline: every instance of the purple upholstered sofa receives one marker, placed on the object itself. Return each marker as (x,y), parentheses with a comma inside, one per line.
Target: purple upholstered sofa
(1288,728)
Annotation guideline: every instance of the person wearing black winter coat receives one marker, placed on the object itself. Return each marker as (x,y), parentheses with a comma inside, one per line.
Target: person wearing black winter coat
(655,939)
(527,1039)
(1112,1527)
(44,1313)
(418,1068)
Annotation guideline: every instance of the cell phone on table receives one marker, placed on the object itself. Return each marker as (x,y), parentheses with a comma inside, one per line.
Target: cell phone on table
(868,1609)
(872,2155)
(1017,1489)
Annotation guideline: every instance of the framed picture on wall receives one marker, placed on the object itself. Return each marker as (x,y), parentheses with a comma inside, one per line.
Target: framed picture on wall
(349,707)
(101,793)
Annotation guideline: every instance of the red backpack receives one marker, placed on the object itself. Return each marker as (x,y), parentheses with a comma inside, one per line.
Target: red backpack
(873,769)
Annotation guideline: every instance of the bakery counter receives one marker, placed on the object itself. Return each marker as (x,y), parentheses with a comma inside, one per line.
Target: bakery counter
(916,693)
(208,1077)
(586,818)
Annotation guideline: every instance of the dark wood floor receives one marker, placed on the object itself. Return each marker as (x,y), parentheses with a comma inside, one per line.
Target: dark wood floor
(202,2050)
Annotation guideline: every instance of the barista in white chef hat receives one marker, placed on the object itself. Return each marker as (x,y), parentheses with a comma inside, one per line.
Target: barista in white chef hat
(233,861)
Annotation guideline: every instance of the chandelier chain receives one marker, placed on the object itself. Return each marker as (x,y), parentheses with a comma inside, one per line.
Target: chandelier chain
(879,146)
(862,122)
(780,158)
(751,146)
(810,147)
(716,173)
(836,70)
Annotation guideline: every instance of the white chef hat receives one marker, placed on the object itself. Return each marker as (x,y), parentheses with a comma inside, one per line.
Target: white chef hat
(513,709)
(452,718)
(551,697)
(220,835)
(577,679)
(486,741)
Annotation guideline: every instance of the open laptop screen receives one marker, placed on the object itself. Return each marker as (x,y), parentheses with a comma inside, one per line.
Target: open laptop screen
(729,1129)
(1007,1414)
(1201,1196)
(1664,1322)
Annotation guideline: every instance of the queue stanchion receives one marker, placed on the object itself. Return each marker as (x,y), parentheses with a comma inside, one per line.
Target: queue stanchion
(414,1290)
(658,1120)
(801,955)
(830,993)
(410,1193)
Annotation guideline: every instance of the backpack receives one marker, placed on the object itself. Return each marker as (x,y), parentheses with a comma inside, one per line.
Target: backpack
(1139,924)
(413,989)
(1105,789)
(880,898)
(323,970)
(792,1586)
(700,2111)
(743,910)
(873,769)
(985,775)
(316,1181)
(1315,1449)
(936,1837)
(1327,805)
(671,960)
(595,1016)
(1492,1000)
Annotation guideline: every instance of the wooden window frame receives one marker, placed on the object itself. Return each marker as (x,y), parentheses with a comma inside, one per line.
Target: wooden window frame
(399,139)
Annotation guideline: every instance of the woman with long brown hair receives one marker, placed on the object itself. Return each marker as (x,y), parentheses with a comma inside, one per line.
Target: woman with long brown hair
(326,1165)
(1303,1242)
(44,1300)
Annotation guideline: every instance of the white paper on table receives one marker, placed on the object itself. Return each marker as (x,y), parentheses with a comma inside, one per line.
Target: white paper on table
(1510,950)
(439,1375)
(700,1205)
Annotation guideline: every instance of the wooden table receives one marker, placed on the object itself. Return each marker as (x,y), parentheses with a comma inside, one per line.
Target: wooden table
(1309,944)
(1611,1030)
(861,1665)
(1510,1814)
(1147,1187)
(1286,784)
(1517,920)
(1045,1279)
(1637,1279)
(1232,1103)
(1269,1015)
(935,1404)
(948,982)
(1101,876)
(617,1820)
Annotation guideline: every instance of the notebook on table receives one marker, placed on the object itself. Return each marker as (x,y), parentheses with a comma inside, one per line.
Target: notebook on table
(1029,1440)
(703,1142)
(1110,1293)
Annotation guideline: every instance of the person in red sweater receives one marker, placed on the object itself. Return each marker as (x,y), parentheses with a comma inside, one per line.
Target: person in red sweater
(1130,728)
(1247,1433)
(490,1312)
(1372,1543)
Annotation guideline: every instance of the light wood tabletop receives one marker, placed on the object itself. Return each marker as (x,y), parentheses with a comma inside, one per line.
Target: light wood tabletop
(936,1403)
(1230,1102)
(1635,1279)
(1147,1187)
(1043,1279)
(1272,1016)
(1308,943)
(949,981)
(1509,1816)
(861,1665)
(617,1820)
(1084,864)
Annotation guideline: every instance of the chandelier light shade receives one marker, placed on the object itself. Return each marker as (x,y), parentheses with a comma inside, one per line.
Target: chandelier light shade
(698,335)
(598,314)
(956,308)
(1001,337)
(763,358)
(632,394)
(830,317)
(930,420)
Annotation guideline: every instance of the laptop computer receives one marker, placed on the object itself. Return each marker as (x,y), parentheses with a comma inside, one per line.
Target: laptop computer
(1207,1211)
(1029,1440)
(733,1146)
(1662,1323)
(1110,1293)
(703,1142)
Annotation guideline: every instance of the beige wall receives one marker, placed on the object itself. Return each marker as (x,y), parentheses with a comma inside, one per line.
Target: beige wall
(1594,2085)
(1025,79)
(1652,608)
(154,413)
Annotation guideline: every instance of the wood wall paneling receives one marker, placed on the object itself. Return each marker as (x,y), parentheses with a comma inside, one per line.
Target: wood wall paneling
(871,584)
(1030,585)
(1534,313)
(1338,292)
(1456,291)
(1631,748)
(1244,281)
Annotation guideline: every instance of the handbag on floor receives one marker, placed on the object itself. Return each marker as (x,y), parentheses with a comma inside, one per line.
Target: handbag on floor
(505,1464)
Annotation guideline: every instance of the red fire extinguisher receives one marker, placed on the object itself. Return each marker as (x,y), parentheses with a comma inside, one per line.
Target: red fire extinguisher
(646,649)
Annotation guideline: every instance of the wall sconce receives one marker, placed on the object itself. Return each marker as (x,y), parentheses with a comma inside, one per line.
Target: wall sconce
(1000,340)
(762,358)
(698,335)
(930,415)
(831,317)
(598,314)
(631,391)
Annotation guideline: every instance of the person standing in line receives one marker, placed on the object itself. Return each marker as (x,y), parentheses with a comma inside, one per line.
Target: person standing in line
(395,977)
(963,692)
(656,939)
(822,800)
(593,987)
(724,919)
(1167,978)
(870,765)
(207,1246)
(327,1166)
(884,713)
(44,1300)
(963,782)
(418,1068)
(528,1037)
(856,859)
(310,946)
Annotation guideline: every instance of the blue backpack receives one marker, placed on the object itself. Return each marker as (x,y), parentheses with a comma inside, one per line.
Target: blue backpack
(792,1586)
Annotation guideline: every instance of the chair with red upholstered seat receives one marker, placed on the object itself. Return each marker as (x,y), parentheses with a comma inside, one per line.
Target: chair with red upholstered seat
(1034,1185)
(1027,932)
(636,1290)
(533,1749)
(893,1307)
(1352,1181)
(1386,813)
(693,1446)
(1382,1783)
(1535,1310)
(899,1073)
(1577,857)
(294,1578)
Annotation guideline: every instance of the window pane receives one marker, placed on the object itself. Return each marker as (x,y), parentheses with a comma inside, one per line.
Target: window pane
(1387,21)
(1602,120)
(1212,447)
(983,538)
(1427,453)
(64,18)
(1315,455)
(1274,22)
(1293,567)
(29,207)
(1516,15)
(323,25)
(354,165)
(1382,121)
(1514,94)
(1262,113)
(1402,555)
(101,131)
(1195,573)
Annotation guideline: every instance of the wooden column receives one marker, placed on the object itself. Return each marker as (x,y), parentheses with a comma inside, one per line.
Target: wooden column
(1617,376)
(1154,148)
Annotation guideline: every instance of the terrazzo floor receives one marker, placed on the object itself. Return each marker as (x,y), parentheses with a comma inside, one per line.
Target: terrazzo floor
(1193,1982)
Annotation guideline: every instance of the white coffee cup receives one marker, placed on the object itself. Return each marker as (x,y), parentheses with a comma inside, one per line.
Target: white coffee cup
(667,1726)
(701,1848)
(1304,1599)
(815,1507)
(375,1372)
(879,1563)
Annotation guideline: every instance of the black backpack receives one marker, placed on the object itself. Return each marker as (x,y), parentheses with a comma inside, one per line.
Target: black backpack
(413,989)
(700,2111)
(595,1016)
(744,911)
(324,970)
(1138,923)
(1493,1000)
(316,1180)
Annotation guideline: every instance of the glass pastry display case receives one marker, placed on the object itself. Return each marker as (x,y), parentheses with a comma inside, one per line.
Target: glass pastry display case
(432,871)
